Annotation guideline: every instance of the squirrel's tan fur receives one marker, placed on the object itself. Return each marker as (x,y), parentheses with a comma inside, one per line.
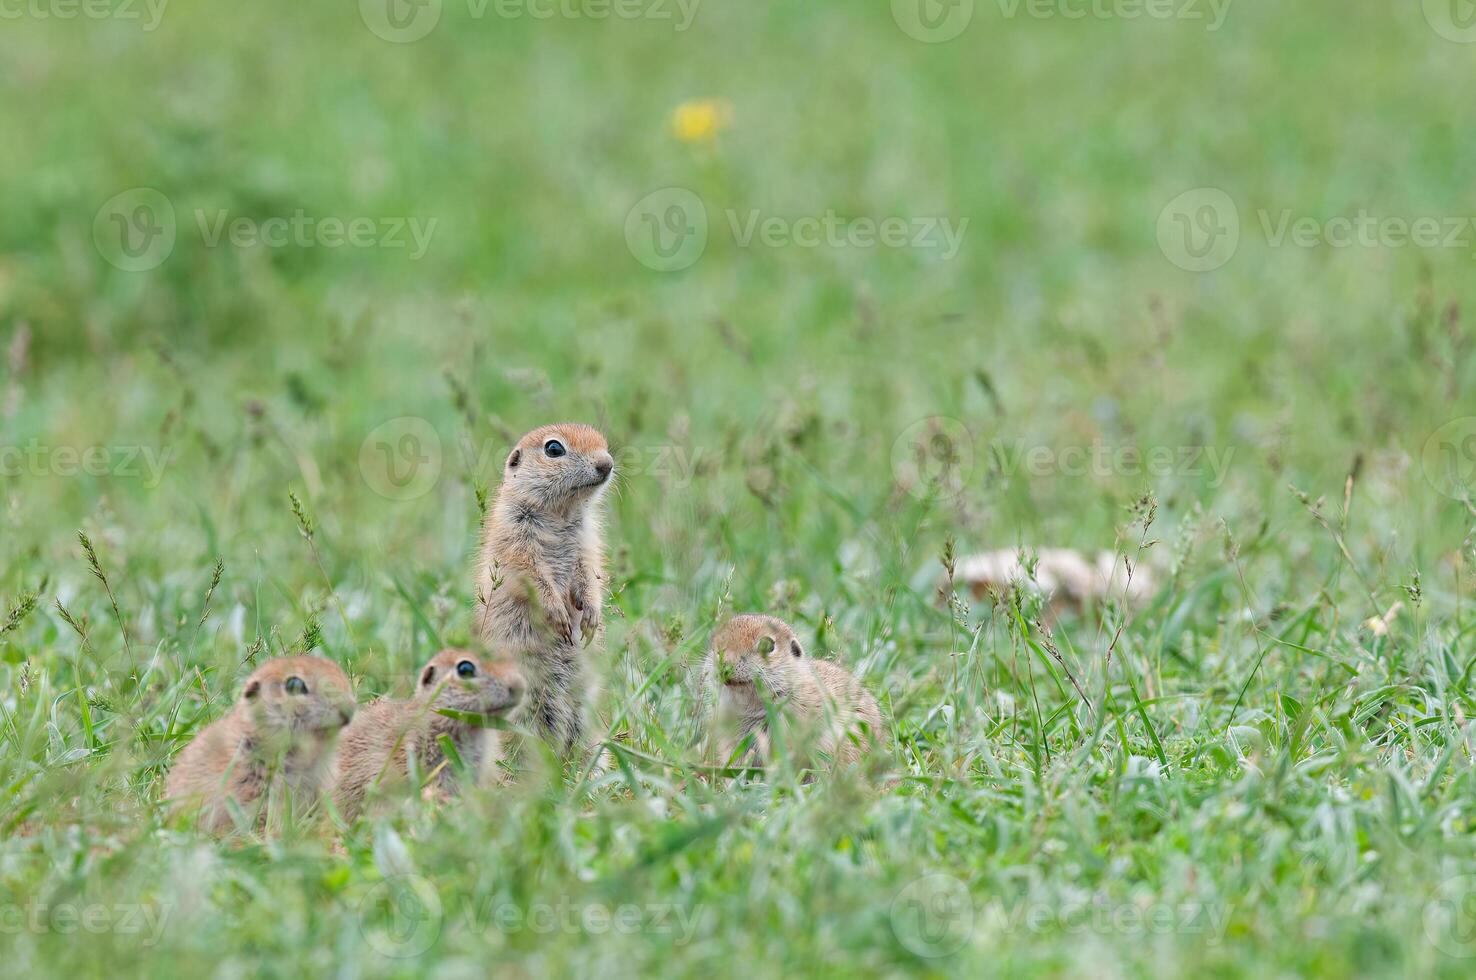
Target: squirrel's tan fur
(540,588)
(278,739)
(376,749)
(757,661)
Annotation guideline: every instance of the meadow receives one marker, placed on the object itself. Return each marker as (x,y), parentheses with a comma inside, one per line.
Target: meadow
(856,289)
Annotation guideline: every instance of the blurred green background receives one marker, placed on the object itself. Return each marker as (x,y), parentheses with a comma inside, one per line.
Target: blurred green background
(763,398)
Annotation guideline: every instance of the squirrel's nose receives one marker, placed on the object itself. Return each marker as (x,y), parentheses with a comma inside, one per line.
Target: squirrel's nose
(603,465)
(514,689)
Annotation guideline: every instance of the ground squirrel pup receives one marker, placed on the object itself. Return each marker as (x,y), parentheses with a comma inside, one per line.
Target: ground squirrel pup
(384,735)
(278,737)
(539,575)
(819,702)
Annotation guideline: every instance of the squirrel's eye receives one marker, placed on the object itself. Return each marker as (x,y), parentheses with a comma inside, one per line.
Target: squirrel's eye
(766,645)
(466,669)
(296,685)
(553,449)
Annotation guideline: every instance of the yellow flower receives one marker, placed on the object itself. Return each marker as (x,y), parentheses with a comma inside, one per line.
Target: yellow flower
(699,120)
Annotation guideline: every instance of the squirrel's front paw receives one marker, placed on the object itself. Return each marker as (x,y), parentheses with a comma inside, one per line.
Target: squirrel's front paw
(589,622)
(561,621)
(558,616)
(588,614)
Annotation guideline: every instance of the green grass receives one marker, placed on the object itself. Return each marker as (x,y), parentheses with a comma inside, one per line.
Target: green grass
(1255,785)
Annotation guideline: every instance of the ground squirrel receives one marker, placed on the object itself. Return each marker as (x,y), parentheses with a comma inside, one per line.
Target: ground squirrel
(278,737)
(1070,580)
(384,735)
(754,658)
(539,575)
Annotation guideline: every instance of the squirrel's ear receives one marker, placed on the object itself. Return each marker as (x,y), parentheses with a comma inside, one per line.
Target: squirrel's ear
(428,675)
(796,649)
(515,459)
(253,688)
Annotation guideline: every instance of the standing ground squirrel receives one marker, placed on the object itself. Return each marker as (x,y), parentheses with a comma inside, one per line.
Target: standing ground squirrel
(539,575)
(385,734)
(278,737)
(754,658)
